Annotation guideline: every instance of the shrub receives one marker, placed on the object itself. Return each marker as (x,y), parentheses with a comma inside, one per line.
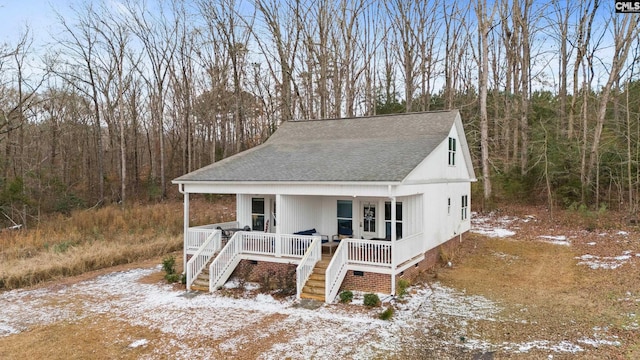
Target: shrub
(371,300)
(346,296)
(387,314)
(169,267)
(173,278)
(401,287)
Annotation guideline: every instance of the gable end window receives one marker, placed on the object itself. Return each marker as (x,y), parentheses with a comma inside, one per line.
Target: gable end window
(452,151)
(465,207)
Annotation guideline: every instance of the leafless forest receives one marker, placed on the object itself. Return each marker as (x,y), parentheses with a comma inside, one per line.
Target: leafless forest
(127,95)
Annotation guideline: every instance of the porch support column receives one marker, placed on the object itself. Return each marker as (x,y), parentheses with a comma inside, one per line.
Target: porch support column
(186,230)
(393,245)
(278,244)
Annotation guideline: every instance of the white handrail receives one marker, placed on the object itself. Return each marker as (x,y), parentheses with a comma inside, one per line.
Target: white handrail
(295,245)
(224,260)
(305,268)
(370,252)
(197,235)
(336,271)
(200,259)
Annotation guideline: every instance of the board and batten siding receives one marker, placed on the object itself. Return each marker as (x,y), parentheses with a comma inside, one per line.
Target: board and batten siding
(441,221)
(435,167)
(298,213)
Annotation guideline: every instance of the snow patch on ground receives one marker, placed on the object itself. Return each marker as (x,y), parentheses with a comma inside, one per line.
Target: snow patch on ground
(329,332)
(556,240)
(487,225)
(138,343)
(604,262)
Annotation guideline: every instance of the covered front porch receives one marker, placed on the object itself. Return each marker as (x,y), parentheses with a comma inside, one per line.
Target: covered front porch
(354,233)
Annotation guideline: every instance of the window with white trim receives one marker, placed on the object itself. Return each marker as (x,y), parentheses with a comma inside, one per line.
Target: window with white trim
(464,207)
(345,217)
(448,206)
(387,220)
(257,214)
(452,151)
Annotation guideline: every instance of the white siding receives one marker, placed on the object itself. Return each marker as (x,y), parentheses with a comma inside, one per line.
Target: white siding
(243,209)
(412,214)
(436,168)
(441,224)
(297,213)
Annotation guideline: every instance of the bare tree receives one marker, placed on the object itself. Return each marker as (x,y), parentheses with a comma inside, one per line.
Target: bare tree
(625,31)
(485,23)
(158,34)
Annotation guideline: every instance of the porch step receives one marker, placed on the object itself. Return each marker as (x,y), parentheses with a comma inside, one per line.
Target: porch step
(201,283)
(313,297)
(314,288)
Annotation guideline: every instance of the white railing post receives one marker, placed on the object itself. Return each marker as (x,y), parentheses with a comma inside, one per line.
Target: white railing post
(186,228)
(278,245)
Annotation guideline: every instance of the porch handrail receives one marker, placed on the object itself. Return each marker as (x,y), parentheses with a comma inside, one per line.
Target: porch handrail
(258,243)
(406,248)
(197,235)
(305,268)
(223,225)
(336,271)
(199,260)
(369,252)
(225,259)
(296,245)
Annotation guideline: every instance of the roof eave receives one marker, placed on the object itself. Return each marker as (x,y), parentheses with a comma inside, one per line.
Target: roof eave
(267,183)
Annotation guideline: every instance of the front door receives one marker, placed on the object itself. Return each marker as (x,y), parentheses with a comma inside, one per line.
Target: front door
(369,220)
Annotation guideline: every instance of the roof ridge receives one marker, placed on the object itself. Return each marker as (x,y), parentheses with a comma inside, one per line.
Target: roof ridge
(374,116)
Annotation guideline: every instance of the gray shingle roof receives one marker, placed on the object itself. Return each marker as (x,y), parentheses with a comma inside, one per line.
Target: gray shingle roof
(369,149)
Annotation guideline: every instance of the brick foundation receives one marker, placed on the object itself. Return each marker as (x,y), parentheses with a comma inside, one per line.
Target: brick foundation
(254,271)
(367,282)
(439,254)
(381,283)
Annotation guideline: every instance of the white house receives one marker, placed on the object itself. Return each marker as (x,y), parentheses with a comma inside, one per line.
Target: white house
(372,199)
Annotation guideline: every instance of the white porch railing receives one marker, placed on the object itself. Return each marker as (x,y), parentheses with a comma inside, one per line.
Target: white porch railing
(226,261)
(260,244)
(369,252)
(308,262)
(336,271)
(197,235)
(407,248)
(199,260)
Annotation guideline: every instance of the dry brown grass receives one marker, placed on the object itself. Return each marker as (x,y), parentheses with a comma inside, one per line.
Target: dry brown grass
(93,239)
(542,284)
(98,337)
